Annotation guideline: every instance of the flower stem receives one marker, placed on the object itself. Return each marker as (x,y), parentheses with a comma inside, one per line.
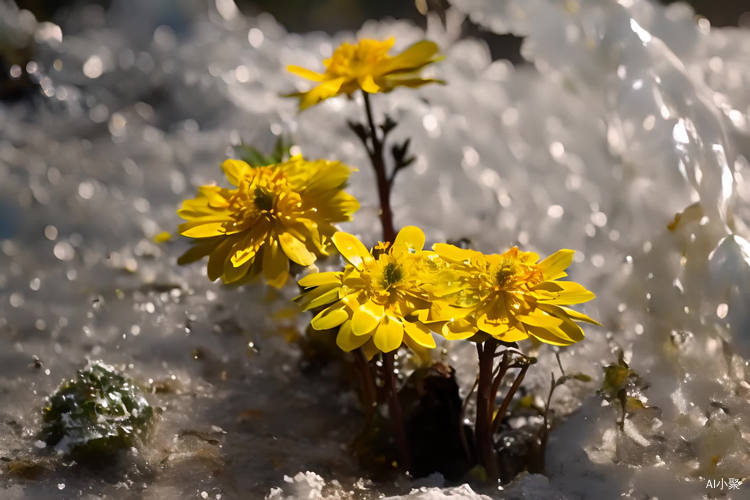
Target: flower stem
(369,392)
(508,397)
(375,151)
(394,411)
(485,406)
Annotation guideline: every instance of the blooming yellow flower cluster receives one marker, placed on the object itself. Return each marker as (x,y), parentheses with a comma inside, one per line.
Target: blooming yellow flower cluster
(275,213)
(400,292)
(367,66)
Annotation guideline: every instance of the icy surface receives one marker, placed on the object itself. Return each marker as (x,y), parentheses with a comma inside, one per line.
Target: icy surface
(631,114)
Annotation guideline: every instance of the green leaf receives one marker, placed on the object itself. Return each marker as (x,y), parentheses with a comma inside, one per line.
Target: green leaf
(634,404)
(281,150)
(95,415)
(256,158)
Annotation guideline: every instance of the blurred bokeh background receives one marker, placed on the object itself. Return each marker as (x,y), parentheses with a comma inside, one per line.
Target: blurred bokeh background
(336,15)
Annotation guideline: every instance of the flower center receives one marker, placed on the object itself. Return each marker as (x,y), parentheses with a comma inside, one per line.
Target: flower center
(354,60)
(263,199)
(504,274)
(391,274)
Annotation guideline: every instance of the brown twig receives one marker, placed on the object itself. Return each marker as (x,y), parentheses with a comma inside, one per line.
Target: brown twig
(369,392)
(483,424)
(502,369)
(545,426)
(384,185)
(462,416)
(378,163)
(394,411)
(508,398)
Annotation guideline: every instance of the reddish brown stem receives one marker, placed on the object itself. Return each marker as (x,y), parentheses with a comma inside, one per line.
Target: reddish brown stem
(378,164)
(502,369)
(508,397)
(395,413)
(483,424)
(375,151)
(369,392)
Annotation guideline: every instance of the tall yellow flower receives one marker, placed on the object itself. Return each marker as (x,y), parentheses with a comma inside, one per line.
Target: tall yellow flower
(511,296)
(377,298)
(367,66)
(273,214)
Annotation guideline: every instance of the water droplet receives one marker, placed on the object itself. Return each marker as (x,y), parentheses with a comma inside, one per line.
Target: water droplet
(93,67)
(555,211)
(722,310)
(255,37)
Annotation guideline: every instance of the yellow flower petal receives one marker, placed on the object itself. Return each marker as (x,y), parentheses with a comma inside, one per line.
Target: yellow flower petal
(367,84)
(399,80)
(275,264)
(538,318)
(423,354)
(562,312)
(200,249)
(296,250)
(324,298)
(305,73)
(452,252)
(310,297)
(218,258)
(213,195)
(366,317)
(322,91)
(235,170)
(330,175)
(346,340)
(553,266)
(162,237)
(247,246)
(389,334)
(414,57)
(458,330)
(544,335)
(351,249)
(411,237)
(234,274)
(330,317)
(205,229)
(317,279)
(563,293)
(369,349)
(493,327)
(570,330)
(512,335)
(419,334)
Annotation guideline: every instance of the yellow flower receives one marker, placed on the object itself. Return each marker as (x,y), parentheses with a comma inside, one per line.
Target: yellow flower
(377,297)
(367,66)
(511,296)
(274,213)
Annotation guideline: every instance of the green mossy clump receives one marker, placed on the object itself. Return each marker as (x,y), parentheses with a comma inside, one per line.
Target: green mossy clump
(96,415)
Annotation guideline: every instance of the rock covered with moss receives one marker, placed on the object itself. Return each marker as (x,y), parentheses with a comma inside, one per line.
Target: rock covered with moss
(98,413)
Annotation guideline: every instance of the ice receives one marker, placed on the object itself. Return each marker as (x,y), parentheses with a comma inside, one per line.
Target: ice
(632,114)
